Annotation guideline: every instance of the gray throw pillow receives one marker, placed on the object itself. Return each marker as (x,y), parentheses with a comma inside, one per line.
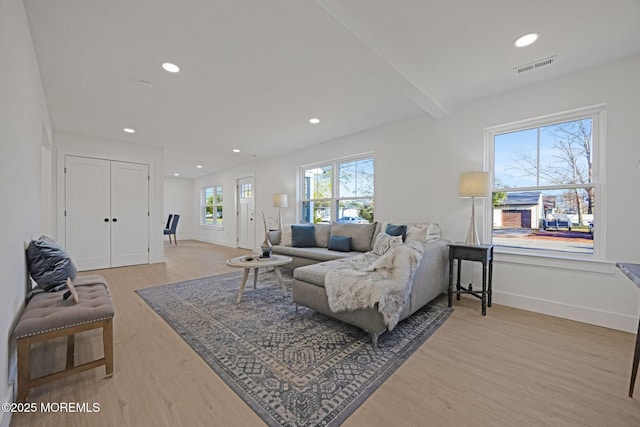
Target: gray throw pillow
(303,236)
(49,265)
(339,243)
(361,234)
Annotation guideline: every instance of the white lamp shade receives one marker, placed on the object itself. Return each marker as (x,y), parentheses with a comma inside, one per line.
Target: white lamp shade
(474,184)
(280,201)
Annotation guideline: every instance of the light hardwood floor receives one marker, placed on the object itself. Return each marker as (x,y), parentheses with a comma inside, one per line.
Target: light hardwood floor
(510,368)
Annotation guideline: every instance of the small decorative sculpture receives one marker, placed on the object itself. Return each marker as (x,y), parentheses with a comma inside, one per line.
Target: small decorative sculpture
(265,246)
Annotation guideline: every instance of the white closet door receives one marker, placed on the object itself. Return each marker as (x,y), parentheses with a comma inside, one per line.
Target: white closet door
(129,214)
(87,212)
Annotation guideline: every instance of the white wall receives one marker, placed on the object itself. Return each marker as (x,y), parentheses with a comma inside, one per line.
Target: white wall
(71,144)
(178,199)
(23,120)
(417,167)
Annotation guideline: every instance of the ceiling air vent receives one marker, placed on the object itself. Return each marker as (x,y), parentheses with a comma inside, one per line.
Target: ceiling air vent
(535,65)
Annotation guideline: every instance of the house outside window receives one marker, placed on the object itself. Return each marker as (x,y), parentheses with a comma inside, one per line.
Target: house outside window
(547,181)
(339,190)
(211,206)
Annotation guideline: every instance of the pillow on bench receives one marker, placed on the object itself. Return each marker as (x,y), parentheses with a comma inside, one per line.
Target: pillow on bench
(49,265)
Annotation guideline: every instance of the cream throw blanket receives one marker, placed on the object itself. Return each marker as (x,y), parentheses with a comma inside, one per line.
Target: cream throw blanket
(368,279)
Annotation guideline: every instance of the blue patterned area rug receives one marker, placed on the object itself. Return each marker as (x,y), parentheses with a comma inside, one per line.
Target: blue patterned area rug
(292,369)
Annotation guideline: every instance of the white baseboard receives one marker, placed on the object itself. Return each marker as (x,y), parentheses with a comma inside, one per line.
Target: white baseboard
(156,259)
(226,243)
(567,311)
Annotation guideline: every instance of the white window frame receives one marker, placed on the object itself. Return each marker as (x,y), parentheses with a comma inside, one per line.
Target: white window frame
(203,206)
(335,184)
(598,115)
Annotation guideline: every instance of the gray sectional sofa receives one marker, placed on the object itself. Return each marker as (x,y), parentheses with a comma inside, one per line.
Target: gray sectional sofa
(312,263)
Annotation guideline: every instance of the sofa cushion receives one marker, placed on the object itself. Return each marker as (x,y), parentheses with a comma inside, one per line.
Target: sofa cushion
(315,273)
(318,254)
(361,234)
(425,232)
(303,236)
(285,235)
(397,230)
(322,233)
(339,243)
(383,242)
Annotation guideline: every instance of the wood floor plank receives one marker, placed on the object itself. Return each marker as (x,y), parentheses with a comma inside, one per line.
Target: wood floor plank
(508,368)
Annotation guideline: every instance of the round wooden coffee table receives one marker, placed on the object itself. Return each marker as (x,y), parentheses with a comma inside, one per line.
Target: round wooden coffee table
(274,261)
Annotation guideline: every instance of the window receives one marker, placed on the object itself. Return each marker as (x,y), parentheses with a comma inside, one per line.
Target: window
(211,211)
(546,185)
(340,190)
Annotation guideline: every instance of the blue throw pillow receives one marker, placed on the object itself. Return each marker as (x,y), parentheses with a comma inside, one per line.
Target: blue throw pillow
(339,243)
(397,230)
(303,236)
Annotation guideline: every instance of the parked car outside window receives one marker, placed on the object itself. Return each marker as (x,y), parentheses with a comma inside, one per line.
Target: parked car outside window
(353,220)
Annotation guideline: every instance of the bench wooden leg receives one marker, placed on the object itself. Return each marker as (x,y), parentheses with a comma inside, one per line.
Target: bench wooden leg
(107,343)
(71,347)
(24,369)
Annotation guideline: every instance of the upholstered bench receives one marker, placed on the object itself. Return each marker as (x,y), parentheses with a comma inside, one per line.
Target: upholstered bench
(47,316)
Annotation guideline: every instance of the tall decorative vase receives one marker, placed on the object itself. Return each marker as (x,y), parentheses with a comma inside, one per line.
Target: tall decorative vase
(265,247)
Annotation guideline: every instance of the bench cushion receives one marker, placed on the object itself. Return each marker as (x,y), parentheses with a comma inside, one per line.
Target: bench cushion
(48,312)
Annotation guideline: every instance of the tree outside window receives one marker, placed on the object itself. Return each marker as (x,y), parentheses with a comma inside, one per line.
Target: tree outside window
(346,196)
(546,186)
(212,213)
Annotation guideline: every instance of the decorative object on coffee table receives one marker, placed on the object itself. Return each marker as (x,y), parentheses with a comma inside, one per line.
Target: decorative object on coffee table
(244,262)
(265,246)
(473,184)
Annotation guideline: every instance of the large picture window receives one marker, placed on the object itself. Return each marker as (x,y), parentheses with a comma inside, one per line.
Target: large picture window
(340,190)
(211,210)
(546,186)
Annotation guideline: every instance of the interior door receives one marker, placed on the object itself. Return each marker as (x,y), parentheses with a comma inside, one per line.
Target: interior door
(87,212)
(246,213)
(129,213)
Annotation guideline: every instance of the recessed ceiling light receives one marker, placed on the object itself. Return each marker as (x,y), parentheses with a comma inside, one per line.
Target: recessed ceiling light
(129,130)
(314,121)
(176,174)
(235,150)
(526,40)
(172,68)
(199,166)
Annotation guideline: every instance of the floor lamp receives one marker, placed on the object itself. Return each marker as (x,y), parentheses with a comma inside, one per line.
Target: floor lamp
(473,184)
(280,201)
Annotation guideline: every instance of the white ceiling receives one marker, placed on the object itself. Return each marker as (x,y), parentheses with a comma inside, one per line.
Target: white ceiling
(253,72)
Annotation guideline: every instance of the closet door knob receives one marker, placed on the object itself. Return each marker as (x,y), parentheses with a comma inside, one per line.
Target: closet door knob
(106,220)
(115,220)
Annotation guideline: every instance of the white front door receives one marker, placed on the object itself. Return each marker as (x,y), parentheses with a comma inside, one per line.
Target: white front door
(129,214)
(246,213)
(88,212)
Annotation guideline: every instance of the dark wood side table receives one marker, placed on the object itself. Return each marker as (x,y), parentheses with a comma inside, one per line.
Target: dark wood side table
(632,271)
(480,253)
